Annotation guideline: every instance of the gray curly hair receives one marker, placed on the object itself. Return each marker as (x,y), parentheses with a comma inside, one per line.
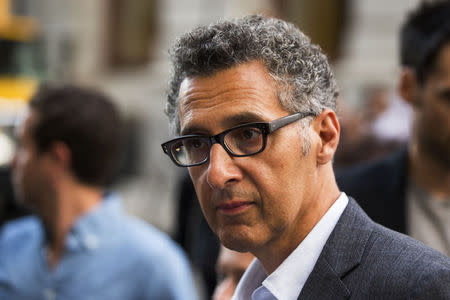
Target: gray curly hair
(304,77)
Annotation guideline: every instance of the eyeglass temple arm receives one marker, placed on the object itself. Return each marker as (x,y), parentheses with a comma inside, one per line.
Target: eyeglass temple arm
(276,124)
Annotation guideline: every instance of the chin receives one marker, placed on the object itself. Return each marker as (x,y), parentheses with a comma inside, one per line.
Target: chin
(235,245)
(236,240)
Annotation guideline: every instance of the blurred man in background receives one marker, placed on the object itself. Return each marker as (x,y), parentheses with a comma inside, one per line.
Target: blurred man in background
(80,244)
(410,190)
(230,267)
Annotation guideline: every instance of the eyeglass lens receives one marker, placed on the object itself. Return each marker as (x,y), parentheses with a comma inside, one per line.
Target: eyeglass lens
(245,140)
(190,150)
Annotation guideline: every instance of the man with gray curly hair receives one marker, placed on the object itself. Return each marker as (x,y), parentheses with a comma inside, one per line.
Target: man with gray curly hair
(253,102)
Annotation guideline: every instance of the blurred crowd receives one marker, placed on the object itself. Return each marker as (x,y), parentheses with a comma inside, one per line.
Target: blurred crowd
(374,128)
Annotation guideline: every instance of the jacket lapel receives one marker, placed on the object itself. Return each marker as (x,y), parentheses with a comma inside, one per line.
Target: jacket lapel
(341,254)
(324,283)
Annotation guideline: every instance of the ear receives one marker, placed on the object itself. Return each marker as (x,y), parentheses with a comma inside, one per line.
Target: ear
(61,155)
(328,129)
(408,86)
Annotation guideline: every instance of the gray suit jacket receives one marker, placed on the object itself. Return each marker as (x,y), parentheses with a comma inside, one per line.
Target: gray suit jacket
(364,260)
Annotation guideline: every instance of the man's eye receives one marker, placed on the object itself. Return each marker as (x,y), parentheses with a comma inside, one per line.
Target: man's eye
(248,134)
(196,144)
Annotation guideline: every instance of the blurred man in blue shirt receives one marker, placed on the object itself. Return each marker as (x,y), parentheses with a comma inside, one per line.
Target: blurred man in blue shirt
(80,244)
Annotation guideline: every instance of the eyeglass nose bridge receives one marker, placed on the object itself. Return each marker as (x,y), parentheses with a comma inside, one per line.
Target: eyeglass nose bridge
(218,139)
(215,139)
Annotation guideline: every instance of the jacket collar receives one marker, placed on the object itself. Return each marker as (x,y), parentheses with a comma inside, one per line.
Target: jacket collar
(340,255)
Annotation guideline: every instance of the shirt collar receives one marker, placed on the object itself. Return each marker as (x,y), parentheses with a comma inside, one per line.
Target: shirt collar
(89,229)
(287,281)
(252,278)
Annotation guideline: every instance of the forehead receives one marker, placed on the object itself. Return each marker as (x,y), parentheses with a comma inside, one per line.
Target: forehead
(244,93)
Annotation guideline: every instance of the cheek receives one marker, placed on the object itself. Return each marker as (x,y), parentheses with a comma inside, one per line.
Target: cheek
(284,184)
(441,115)
(276,186)
(432,121)
(281,178)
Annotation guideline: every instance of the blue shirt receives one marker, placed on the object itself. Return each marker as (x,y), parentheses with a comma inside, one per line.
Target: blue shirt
(109,255)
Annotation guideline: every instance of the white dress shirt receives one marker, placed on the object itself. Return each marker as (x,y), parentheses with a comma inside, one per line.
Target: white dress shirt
(287,281)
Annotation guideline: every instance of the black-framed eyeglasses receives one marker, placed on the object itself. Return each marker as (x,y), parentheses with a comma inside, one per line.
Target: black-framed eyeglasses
(243,140)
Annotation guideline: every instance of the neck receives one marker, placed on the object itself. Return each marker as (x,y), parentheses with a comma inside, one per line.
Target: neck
(72,201)
(427,172)
(273,254)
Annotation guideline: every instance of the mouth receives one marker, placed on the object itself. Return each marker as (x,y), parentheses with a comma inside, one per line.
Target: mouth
(233,208)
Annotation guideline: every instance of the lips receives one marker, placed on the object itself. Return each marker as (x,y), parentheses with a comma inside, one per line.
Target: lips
(234,207)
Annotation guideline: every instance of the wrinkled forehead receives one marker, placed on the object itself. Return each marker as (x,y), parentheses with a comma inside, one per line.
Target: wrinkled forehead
(242,90)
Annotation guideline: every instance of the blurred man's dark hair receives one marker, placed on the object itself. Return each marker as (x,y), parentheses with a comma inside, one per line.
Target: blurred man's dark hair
(423,33)
(88,123)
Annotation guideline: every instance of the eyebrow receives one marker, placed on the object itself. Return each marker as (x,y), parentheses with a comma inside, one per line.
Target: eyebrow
(242,118)
(228,122)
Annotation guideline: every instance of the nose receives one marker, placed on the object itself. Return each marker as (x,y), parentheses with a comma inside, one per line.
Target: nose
(222,169)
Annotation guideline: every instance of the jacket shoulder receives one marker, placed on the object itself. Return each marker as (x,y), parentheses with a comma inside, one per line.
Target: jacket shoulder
(397,266)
